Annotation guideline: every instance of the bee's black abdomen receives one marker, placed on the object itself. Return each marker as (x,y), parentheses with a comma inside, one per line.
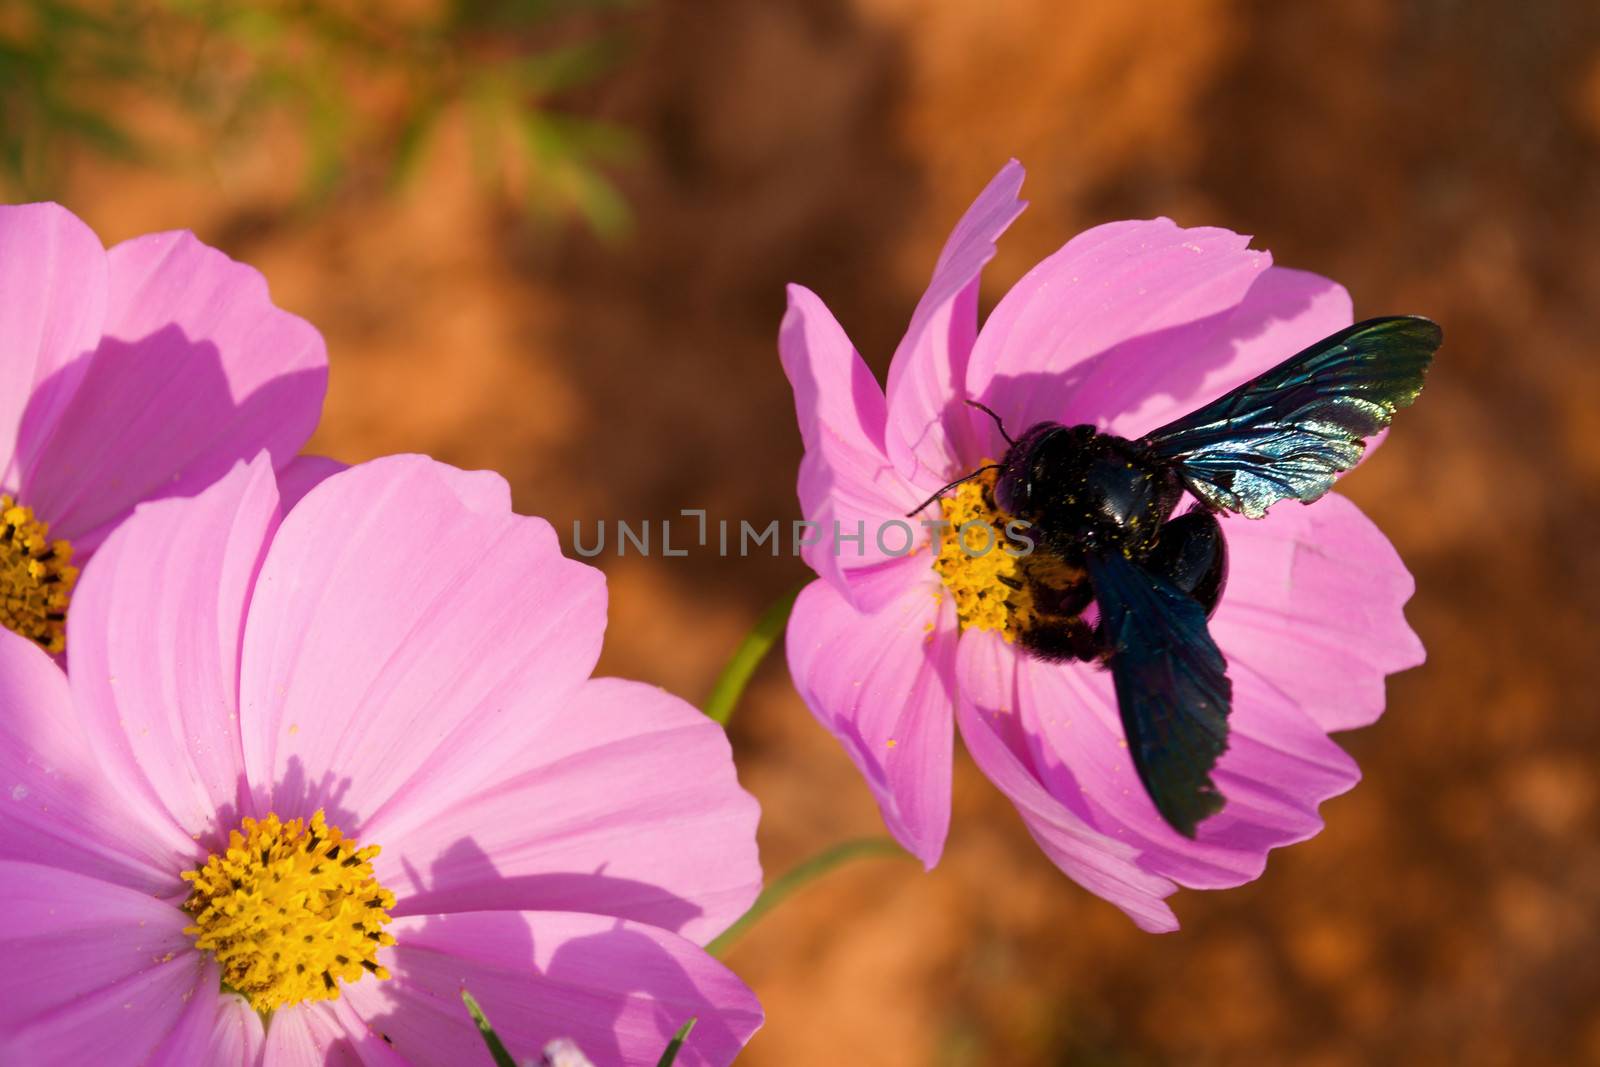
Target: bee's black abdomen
(1192,554)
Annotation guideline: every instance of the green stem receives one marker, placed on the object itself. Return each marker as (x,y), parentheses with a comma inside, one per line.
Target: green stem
(669,1055)
(497,1048)
(800,877)
(747,657)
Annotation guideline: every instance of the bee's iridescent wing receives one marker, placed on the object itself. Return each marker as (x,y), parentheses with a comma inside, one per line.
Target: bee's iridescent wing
(1172,686)
(1290,431)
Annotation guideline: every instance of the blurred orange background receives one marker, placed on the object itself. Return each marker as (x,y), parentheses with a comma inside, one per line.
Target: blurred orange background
(1440,157)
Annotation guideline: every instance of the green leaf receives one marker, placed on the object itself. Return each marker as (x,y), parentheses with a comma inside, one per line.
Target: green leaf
(411,142)
(595,139)
(670,1054)
(747,657)
(497,1048)
(603,207)
(544,73)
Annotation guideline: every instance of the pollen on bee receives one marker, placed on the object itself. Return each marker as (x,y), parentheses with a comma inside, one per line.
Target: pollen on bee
(985,581)
(993,587)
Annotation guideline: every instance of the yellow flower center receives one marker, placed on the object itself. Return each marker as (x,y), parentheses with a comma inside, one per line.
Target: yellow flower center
(290,910)
(992,575)
(36,577)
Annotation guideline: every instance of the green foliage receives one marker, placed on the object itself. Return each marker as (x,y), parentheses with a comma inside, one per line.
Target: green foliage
(48,50)
(669,1055)
(491,1040)
(503,1058)
(364,87)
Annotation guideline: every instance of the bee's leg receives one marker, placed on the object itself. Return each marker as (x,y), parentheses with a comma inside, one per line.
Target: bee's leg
(1060,639)
(1191,553)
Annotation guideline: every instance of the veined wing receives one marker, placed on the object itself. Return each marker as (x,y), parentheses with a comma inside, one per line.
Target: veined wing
(1289,432)
(1172,686)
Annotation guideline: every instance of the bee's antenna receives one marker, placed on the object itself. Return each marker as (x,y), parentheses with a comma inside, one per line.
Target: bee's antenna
(952,485)
(998,424)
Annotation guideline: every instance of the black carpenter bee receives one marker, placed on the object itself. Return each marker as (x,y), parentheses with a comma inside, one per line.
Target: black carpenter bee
(1102,507)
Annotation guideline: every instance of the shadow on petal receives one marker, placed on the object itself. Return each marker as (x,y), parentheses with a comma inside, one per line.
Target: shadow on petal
(464,865)
(1147,380)
(152,419)
(543,970)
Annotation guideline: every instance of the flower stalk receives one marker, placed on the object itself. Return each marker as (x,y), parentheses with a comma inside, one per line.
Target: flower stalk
(741,667)
(797,879)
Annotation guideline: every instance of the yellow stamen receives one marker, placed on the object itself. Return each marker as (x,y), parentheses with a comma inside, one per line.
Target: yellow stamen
(290,910)
(36,577)
(992,576)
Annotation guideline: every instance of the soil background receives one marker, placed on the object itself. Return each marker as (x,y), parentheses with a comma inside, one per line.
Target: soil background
(1435,156)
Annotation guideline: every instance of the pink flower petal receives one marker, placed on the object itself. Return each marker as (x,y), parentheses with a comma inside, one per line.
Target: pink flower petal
(930,428)
(94,973)
(154,636)
(301,475)
(199,1035)
(331,1033)
(619,990)
(881,684)
(995,735)
(52,306)
(1103,288)
(1156,378)
(196,371)
(58,808)
(1314,606)
(401,647)
(846,480)
(237,1038)
(484,492)
(1279,766)
(626,805)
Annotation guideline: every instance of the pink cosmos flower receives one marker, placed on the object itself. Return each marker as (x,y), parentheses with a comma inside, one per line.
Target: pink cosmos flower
(141,372)
(384,696)
(1127,326)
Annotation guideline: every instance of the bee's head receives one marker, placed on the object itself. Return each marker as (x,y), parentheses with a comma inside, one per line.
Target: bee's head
(1019,469)
(1013,490)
